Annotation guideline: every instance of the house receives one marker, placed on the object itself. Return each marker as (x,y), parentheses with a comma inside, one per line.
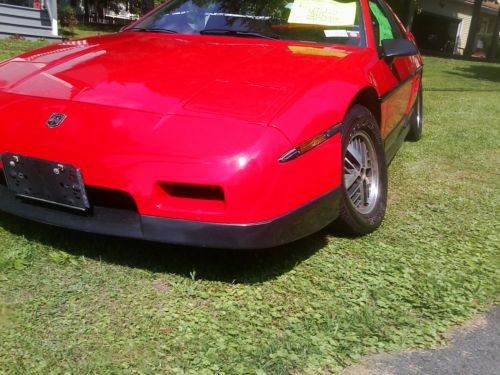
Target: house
(31,19)
(444,25)
(115,13)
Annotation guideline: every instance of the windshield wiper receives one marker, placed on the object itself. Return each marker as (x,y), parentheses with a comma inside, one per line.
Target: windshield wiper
(154,30)
(240,33)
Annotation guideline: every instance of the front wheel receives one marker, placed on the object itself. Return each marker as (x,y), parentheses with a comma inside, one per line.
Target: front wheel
(364,185)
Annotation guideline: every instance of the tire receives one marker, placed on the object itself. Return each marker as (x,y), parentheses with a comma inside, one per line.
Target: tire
(364,183)
(416,119)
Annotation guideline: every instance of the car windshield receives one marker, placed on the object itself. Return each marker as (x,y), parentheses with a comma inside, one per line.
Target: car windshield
(317,21)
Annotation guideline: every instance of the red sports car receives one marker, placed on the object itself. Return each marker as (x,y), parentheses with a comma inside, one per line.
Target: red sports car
(214,123)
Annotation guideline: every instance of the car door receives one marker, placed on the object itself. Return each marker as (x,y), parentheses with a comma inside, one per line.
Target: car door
(397,88)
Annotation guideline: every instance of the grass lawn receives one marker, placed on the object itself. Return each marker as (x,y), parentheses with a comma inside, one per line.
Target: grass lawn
(77,303)
(9,47)
(83,31)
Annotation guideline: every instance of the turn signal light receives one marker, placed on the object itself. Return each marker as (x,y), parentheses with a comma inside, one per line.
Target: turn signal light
(311,144)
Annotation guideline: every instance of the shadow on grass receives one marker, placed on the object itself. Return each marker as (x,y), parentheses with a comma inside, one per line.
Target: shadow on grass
(484,72)
(231,266)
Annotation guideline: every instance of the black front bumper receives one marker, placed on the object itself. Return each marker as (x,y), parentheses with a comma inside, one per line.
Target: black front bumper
(297,224)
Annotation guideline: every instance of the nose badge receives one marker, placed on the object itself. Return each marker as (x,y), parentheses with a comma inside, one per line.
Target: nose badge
(55,120)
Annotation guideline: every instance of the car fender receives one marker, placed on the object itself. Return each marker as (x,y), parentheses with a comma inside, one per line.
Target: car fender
(326,101)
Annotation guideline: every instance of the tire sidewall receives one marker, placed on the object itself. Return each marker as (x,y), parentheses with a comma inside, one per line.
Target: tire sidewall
(416,121)
(360,118)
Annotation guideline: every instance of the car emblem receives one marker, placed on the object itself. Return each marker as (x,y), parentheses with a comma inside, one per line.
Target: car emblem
(55,120)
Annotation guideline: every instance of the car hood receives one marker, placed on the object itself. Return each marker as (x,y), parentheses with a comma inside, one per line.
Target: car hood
(171,74)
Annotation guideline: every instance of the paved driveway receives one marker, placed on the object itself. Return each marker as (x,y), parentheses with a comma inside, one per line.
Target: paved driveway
(474,349)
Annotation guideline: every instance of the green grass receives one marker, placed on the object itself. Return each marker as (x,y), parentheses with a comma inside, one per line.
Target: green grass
(83,31)
(10,47)
(76,303)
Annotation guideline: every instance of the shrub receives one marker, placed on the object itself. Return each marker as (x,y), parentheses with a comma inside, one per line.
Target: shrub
(67,17)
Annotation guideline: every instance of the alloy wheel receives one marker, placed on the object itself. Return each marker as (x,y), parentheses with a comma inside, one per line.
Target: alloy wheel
(361,173)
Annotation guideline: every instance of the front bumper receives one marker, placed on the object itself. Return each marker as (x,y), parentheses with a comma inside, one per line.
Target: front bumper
(290,227)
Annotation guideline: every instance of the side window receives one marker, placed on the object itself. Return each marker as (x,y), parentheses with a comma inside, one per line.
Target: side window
(384,24)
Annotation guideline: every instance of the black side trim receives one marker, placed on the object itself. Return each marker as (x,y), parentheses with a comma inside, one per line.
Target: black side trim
(398,86)
(290,227)
(395,139)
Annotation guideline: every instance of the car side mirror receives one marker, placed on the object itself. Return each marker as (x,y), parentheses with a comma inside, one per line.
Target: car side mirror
(393,48)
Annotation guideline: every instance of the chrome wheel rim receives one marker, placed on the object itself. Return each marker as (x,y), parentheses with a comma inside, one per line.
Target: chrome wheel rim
(361,173)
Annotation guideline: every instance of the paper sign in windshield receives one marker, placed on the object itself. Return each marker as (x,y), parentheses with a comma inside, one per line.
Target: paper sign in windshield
(323,12)
(341,34)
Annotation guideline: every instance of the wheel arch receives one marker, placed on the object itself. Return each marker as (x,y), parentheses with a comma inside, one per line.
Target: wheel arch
(369,98)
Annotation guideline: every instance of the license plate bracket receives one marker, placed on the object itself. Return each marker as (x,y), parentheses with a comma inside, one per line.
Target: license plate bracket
(45,181)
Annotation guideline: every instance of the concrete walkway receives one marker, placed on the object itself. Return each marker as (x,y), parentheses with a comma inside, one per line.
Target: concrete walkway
(474,349)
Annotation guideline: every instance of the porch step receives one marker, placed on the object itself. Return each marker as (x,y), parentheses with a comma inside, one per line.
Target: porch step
(14,10)
(40,19)
(41,31)
(28,22)
(50,39)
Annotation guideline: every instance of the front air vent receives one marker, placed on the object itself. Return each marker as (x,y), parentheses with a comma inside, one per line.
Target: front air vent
(3,182)
(200,192)
(110,198)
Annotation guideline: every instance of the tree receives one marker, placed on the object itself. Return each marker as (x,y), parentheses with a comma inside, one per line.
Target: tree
(492,53)
(474,28)
(406,10)
(67,17)
(147,5)
(86,9)
(412,9)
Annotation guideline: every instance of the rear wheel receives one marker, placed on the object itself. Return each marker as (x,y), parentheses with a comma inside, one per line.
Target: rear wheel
(416,120)
(364,185)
